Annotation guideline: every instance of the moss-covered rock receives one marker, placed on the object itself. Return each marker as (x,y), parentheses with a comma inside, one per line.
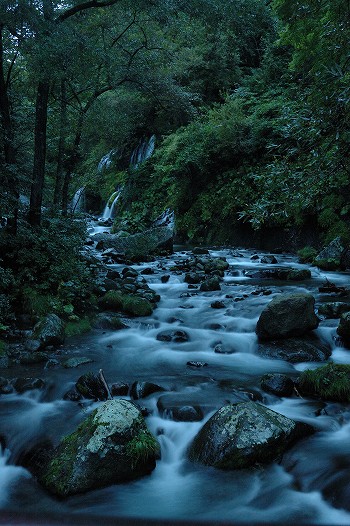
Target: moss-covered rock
(241,435)
(112,445)
(129,303)
(329,382)
(49,331)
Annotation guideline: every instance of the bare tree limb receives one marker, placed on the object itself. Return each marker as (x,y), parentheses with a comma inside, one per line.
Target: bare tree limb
(83,7)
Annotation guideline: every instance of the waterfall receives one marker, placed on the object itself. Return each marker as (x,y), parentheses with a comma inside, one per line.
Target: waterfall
(108,212)
(143,151)
(78,201)
(105,162)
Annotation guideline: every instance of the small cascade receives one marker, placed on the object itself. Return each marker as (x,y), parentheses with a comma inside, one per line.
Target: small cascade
(105,162)
(109,210)
(78,201)
(143,151)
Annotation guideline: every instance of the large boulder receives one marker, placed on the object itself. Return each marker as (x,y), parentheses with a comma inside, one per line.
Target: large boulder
(110,446)
(288,315)
(49,331)
(241,435)
(330,257)
(295,350)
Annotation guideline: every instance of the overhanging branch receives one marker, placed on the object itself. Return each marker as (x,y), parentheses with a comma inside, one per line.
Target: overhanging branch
(83,7)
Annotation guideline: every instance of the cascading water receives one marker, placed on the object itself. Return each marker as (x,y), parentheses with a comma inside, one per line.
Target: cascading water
(143,151)
(309,485)
(109,210)
(106,161)
(78,201)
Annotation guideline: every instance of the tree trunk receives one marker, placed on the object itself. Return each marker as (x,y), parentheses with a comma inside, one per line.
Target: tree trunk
(71,163)
(36,196)
(40,136)
(8,138)
(61,147)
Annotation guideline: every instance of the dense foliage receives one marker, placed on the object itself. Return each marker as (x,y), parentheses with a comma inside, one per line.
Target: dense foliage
(248,99)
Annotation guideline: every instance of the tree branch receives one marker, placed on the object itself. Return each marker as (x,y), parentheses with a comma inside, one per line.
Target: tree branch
(82,7)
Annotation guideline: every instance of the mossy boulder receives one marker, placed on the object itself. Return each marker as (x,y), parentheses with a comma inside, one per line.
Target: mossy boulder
(127,303)
(286,316)
(244,434)
(330,257)
(210,284)
(344,328)
(49,331)
(329,382)
(110,446)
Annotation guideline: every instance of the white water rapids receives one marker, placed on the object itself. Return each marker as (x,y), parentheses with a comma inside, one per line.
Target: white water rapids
(310,485)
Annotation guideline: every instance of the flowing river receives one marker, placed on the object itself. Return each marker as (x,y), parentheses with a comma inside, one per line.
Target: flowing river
(310,485)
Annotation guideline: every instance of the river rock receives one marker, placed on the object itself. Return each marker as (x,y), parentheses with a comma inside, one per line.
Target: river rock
(112,445)
(278,384)
(333,310)
(269,259)
(108,320)
(193,278)
(288,315)
(244,434)
(295,350)
(142,389)
(28,384)
(176,336)
(179,408)
(91,386)
(210,284)
(75,361)
(119,389)
(344,328)
(49,331)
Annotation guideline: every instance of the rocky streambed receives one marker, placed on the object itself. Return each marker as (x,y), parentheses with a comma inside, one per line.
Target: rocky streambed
(222,393)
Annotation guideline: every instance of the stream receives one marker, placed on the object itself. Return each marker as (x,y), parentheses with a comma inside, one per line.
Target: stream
(310,485)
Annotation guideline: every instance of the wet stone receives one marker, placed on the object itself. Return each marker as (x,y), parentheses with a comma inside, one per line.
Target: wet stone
(278,384)
(27,384)
(218,305)
(173,336)
(119,389)
(143,389)
(72,395)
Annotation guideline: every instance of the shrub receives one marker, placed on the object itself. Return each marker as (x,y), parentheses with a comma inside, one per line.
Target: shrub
(307,254)
(329,382)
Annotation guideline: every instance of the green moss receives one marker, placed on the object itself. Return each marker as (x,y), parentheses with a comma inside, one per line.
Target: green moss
(307,254)
(112,300)
(73,328)
(128,303)
(137,306)
(329,382)
(58,474)
(327,264)
(142,448)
